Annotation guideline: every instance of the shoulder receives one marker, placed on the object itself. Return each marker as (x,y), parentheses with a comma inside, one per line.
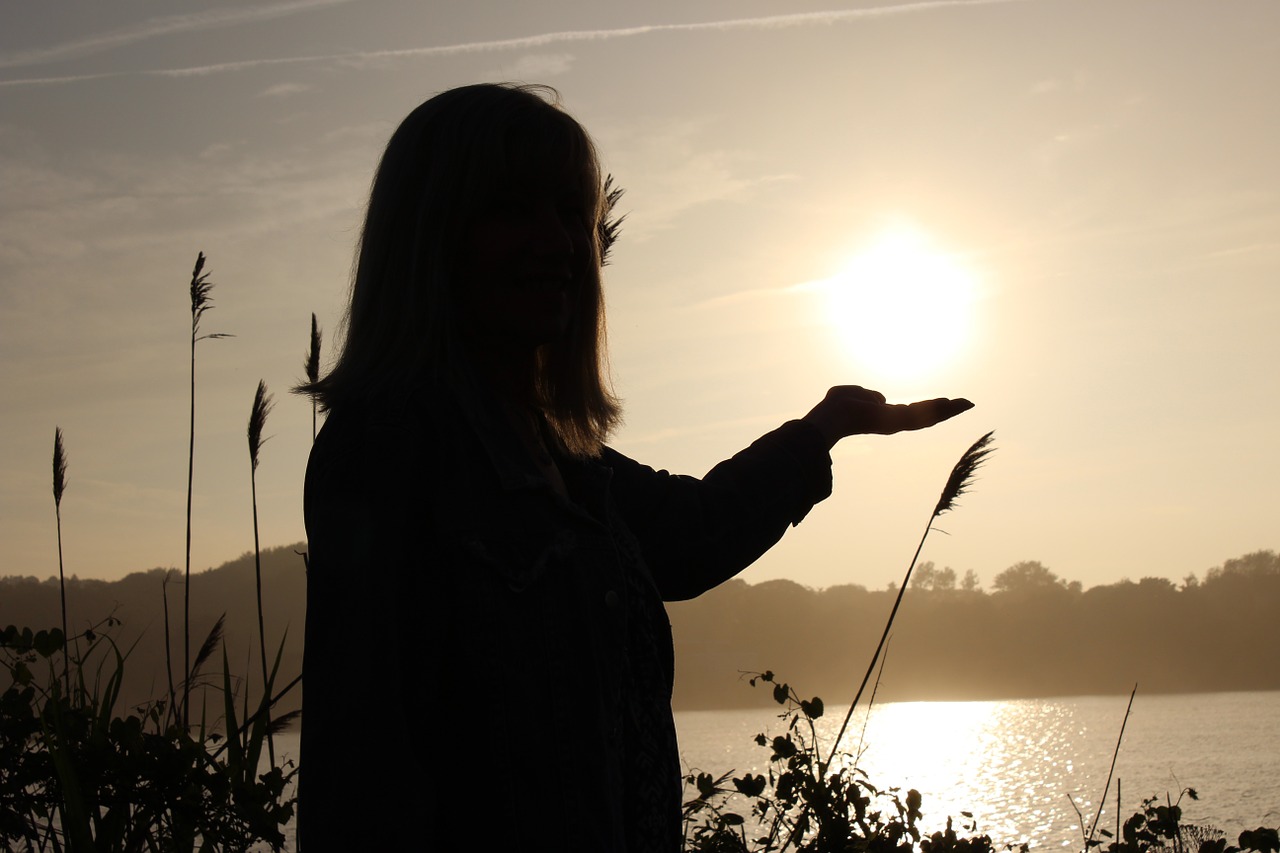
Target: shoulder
(373,448)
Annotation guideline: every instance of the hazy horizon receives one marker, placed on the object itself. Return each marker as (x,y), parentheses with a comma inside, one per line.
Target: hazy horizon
(984,578)
(1086,190)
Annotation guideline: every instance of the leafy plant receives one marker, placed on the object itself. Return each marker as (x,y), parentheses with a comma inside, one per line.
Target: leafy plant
(81,774)
(801,803)
(1159,826)
(817,804)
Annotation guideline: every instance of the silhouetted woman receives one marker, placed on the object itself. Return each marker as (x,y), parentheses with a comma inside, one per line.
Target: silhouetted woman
(488,662)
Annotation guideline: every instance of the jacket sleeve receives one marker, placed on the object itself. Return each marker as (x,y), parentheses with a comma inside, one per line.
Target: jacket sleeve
(696,533)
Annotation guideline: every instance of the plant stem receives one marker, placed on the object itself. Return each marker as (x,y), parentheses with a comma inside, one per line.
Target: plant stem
(59,487)
(168,653)
(262,633)
(884,636)
(62,591)
(1114,756)
(186,587)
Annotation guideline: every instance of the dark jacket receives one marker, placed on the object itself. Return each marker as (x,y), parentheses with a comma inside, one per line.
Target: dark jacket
(488,665)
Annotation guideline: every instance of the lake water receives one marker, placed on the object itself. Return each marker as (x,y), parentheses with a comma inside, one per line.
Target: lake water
(1015,764)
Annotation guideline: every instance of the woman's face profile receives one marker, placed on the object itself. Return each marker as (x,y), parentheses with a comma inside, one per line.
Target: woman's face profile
(522,261)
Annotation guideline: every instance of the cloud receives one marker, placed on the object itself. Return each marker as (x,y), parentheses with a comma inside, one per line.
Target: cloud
(284,90)
(361,59)
(535,66)
(156,27)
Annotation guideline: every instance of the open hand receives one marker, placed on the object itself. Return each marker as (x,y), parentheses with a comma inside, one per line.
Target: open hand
(853,410)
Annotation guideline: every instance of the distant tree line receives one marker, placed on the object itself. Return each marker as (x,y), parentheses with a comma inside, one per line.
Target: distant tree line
(1032,635)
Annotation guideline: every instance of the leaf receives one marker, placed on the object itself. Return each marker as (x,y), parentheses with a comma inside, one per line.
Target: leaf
(751,786)
(21,674)
(1262,839)
(780,693)
(786,787)
(48,643)
(783,747)
(706,785)
(813,708)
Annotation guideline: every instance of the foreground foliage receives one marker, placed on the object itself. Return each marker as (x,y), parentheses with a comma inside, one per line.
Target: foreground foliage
(79,774)
(814,806)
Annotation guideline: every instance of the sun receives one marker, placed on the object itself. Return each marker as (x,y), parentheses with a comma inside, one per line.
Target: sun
(901,308)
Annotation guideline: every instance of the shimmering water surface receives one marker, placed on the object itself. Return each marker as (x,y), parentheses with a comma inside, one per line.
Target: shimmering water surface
(1014,764)
(1018,765)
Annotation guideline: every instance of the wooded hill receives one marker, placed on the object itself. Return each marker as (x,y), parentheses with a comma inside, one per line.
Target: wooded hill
(1033,634)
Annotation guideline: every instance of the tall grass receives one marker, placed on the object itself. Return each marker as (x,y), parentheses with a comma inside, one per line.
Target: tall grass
(79,772)
(958,483)
(201,301)
(59,486)
(257,420)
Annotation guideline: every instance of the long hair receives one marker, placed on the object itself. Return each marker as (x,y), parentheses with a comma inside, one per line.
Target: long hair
(447,161)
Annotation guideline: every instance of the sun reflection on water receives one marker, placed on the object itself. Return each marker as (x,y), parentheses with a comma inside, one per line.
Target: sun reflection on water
(1024,767)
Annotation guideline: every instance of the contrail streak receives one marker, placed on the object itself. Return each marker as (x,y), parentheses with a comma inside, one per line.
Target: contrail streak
(360,58)
(156,27)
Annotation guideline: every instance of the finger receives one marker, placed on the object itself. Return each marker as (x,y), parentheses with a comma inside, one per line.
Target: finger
(922,414)
(926,413)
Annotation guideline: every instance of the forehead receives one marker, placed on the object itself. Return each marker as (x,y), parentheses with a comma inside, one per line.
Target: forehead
(550,154)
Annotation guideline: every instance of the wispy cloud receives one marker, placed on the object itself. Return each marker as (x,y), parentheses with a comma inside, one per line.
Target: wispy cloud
(283,90)
(536,66)
(533,42)
(156,27)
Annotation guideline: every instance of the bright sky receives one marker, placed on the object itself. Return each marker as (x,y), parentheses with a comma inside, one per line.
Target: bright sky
(1078,202)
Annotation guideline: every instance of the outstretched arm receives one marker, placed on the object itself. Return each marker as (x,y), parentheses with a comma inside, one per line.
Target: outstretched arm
(853,410)
(697,533)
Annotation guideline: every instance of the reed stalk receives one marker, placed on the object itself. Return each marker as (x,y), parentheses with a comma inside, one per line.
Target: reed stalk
(1107,788)
(257,420)
(59,486)
(201,302)
(958,484)
(168,651)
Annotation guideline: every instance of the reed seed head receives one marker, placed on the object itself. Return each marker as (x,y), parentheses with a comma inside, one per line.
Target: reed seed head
(262,404)
(610,225)
(201,301)
(200,287)
(59,467)
(961,479)
(313,354)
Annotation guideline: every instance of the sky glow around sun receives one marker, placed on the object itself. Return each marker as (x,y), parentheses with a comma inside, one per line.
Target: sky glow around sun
(901,308)
(1043,207)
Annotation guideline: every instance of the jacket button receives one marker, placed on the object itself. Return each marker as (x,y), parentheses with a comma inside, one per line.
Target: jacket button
(611,600)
